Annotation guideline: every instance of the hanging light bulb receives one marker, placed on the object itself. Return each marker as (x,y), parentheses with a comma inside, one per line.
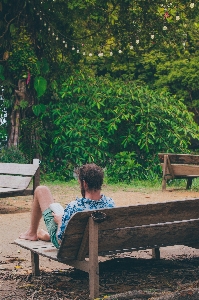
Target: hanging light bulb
(131,47)
(192,5)
(84,53)
(120,51)
(53,33)
(164,27)
(90,54)
(48,28)
(111,53)
(137,41)
(73,48)
(152,36)
(57,38)
(66,45)
(63,42)
(177,17)
(77,50)
(44,23)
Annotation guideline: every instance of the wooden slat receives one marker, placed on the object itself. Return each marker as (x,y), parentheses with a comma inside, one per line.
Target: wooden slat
(167,234)
(7,192)
(14,182)
(18,169)
(40,247)
(180,158)
(131,216)
(184,170)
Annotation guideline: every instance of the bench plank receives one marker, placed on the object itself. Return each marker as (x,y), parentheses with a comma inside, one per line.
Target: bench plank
(184,170)
(18,169)
(14,182)
(180,158)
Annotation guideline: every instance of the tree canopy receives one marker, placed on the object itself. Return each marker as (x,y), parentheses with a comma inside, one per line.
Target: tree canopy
(43,44)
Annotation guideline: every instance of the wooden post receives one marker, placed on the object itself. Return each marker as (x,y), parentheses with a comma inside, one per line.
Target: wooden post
(189,183)
(35,263)
(36,177)
(93,259)
(164,181)
(156,253)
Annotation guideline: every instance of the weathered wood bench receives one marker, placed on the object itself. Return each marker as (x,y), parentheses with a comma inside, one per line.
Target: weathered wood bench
(178,166)
(92,234)
(15,178)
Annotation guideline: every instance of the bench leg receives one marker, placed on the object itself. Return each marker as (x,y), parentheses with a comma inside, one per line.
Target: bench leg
(35,263)
(164,182)
(156,253)
(93,259)
(189,183)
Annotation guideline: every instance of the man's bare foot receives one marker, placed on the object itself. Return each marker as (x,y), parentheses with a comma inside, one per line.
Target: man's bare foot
(43,235)
(28,236)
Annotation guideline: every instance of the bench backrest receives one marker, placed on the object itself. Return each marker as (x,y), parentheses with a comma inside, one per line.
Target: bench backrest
(17,176)
(180,158)
(133,227)
(179,164)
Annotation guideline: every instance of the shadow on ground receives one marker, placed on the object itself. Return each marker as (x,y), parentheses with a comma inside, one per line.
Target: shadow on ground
(120,278)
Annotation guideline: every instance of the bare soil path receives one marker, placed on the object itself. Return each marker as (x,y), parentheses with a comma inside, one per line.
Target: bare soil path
(175,275)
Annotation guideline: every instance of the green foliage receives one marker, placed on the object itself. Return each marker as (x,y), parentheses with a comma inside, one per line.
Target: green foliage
(40,85)
(118,125)
(12,155)
(22,58)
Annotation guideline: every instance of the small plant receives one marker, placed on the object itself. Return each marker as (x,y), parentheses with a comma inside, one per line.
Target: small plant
(12,155)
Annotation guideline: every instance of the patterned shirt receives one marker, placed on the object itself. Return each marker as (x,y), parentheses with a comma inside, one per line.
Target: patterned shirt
(81,204)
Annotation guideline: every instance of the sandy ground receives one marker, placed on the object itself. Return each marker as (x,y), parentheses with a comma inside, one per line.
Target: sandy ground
(15,215)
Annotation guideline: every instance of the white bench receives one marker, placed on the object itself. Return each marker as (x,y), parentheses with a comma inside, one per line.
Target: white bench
(15,178)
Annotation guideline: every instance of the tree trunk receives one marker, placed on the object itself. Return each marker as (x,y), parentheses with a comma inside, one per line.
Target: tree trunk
(20,94)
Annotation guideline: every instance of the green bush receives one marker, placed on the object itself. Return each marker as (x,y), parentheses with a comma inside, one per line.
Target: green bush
(116,124)
(12,155)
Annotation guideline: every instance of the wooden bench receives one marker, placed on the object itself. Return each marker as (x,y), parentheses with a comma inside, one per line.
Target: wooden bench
(15,178)
(104,232)
(178,166)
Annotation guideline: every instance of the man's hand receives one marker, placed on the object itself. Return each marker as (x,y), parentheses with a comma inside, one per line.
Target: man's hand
(57,219)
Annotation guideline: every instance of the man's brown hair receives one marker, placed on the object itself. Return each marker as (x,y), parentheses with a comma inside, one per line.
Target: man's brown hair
(92,174)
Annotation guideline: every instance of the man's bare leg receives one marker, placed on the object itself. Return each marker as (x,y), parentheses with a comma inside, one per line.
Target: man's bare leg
(42,199)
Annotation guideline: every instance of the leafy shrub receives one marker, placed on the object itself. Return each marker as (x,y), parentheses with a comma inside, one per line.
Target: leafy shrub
(118,125)
(12,155)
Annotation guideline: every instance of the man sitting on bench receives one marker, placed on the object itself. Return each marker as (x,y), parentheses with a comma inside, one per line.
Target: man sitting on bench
(90,177)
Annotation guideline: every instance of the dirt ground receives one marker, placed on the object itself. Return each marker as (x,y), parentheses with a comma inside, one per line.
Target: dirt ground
(135,276)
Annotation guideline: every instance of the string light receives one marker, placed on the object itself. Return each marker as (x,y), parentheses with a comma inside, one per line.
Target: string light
(101,54)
